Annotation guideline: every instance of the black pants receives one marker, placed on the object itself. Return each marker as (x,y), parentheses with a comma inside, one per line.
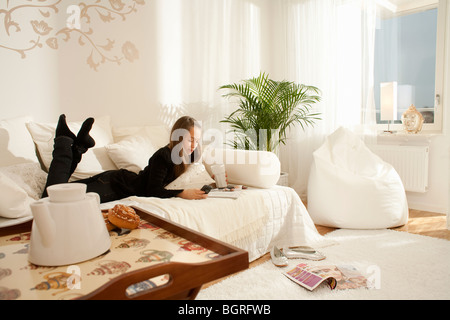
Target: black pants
(64,163)
(102,184)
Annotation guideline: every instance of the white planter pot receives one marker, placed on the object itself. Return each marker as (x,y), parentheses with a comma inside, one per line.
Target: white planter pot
(284,179)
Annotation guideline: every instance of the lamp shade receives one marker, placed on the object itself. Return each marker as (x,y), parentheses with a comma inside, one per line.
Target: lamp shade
(388,100)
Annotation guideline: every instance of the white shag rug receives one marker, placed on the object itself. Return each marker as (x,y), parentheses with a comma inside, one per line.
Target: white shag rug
(400,266)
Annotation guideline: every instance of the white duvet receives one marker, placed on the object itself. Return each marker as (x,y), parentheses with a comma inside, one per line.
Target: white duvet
(257,220)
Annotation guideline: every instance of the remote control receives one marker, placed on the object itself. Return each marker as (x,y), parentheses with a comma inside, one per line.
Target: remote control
(206,188)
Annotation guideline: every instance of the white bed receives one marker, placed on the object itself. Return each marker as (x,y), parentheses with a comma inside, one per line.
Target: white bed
(255,221)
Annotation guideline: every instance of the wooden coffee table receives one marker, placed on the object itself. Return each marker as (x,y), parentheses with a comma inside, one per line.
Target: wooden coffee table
(159,260)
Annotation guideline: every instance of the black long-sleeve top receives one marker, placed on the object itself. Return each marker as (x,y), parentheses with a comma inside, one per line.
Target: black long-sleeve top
(151,181)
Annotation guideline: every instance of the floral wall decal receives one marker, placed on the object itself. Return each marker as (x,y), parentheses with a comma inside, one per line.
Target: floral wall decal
(41,29)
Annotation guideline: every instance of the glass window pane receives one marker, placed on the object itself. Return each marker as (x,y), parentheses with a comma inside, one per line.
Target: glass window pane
(405,52)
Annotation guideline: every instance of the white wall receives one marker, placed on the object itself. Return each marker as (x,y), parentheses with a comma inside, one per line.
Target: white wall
(47,82)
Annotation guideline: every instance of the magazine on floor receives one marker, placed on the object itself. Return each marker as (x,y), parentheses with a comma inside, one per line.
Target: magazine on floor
(337,277)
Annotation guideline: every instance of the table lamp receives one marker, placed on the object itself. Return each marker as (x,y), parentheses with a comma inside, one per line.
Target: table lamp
(388,102)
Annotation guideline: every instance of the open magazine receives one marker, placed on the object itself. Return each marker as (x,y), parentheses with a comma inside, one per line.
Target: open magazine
(337,277)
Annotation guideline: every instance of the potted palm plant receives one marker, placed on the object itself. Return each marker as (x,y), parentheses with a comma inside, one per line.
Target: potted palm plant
(266,110)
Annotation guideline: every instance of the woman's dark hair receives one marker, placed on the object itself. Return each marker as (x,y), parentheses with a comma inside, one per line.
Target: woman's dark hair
(179,128)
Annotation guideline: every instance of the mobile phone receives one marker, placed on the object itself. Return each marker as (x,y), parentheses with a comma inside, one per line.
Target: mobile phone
(206,188)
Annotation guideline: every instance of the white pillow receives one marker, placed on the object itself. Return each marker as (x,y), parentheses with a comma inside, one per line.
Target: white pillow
(94,161)
(131,153)
(14,201)
(135,145)
(16,144)
(194,177)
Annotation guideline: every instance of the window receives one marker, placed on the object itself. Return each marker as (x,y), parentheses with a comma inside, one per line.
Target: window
(409,52)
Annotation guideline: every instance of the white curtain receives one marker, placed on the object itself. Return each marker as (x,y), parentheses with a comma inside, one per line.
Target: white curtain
(202,45)
(328,44)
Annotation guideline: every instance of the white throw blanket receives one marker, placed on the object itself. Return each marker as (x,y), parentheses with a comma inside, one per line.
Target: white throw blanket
(238,221)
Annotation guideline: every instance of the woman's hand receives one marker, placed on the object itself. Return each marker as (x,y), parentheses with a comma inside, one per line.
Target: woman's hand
(192,194)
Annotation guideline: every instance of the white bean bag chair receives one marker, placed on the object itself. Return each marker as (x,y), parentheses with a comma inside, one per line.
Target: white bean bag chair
(351,187)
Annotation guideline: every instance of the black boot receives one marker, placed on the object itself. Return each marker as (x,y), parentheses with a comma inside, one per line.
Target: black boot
(82,143)
(62,129)
(83,139)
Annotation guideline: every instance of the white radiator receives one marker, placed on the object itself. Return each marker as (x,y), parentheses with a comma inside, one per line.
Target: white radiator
(411,163)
